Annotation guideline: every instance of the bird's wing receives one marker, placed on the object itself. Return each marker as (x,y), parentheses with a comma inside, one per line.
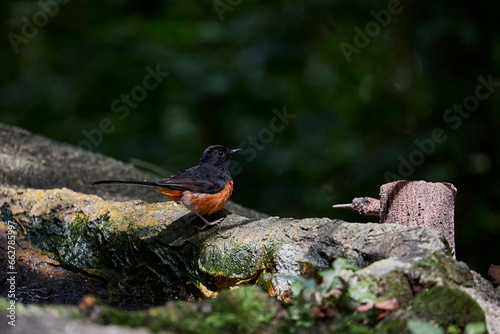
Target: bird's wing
(193,179)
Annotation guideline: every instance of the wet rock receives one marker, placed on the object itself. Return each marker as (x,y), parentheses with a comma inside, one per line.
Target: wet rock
(41,279)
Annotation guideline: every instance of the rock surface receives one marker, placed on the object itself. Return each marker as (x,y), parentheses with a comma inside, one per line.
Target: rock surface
(111,239)
(133,255)
(29,160)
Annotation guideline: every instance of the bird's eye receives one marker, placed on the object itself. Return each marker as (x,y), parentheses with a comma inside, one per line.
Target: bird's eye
(221,154)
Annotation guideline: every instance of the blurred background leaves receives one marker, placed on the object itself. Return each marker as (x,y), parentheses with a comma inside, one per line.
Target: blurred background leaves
(354,121)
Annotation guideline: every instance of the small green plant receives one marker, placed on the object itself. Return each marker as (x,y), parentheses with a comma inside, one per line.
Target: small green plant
(332,303)
(423,327)
(475,328)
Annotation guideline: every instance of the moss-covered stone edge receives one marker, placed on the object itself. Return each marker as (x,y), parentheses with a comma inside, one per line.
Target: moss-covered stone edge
(248,309)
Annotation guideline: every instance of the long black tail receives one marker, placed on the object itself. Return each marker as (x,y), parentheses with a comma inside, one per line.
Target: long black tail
(141,183)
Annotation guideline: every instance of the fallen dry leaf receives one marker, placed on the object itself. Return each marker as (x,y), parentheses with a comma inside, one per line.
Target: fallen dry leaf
(495,273)
(364,307)
(387,305)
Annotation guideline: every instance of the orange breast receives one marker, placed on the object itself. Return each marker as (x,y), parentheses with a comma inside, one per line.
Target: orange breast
(206,204)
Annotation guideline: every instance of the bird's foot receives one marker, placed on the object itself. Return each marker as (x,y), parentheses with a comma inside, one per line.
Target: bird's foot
(215,222)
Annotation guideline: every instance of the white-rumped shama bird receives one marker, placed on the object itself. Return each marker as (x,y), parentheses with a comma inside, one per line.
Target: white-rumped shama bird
(203,189)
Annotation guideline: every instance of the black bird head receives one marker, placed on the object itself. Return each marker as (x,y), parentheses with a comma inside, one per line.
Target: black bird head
(218,155)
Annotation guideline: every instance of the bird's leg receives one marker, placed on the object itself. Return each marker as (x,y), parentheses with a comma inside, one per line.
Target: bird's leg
(207,223)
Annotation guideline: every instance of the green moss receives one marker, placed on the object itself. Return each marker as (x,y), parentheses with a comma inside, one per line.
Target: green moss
(63,311)
(73,243)
(440,266)
(395,285)
(446,306)
(4,303)
(111,315)
(242,310)
(238,260)
(82,243)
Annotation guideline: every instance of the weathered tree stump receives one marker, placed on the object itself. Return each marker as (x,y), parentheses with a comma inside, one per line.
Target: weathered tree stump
(413,203)
(420,203)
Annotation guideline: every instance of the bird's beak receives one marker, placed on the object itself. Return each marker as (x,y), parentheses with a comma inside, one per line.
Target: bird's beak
(236,150)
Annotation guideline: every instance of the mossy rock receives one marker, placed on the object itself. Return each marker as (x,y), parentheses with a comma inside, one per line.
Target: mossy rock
(156,250)
(439,267)
(446,305)
(133,253)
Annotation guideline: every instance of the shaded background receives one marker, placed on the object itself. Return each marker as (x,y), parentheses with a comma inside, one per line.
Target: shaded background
(67,65)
